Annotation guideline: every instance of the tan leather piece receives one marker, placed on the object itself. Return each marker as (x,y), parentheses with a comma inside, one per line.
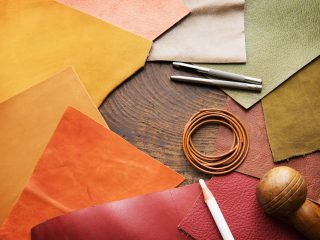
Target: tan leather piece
(26,125)
(40,37)
(143,17)
(84,164)
(212,33)
(221,163)
(259,159)
(292,114)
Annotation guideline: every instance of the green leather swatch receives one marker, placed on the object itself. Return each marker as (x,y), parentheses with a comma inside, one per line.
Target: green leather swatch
(292,114)
(281,38)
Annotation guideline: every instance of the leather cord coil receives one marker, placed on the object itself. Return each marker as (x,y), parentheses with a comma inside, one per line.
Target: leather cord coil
(216,164)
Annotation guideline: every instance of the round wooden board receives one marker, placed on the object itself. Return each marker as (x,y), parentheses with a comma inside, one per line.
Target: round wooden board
(150,111)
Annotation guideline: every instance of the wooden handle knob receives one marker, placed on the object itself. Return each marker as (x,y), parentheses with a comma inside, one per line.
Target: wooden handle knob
(307,220)
(282,192)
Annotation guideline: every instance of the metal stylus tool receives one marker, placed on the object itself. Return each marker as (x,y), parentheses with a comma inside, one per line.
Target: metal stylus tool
(218,73)
(218,83)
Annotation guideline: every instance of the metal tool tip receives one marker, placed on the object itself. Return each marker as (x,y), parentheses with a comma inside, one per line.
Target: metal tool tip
(174,77)
(177,64)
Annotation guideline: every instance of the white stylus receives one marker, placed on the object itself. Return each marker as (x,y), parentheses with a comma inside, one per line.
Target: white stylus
(216,212)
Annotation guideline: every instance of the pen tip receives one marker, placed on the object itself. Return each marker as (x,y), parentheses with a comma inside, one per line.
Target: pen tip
(202,183)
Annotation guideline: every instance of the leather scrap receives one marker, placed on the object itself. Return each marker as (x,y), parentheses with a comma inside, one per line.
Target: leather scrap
(40,37)
(259,159)
(212,33)
(83,165)
(281,38)
(27,123)
(146,18)
(154,217)
(236,197)
(292,114)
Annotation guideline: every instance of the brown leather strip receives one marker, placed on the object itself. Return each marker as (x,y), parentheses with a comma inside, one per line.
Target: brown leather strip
(222,163)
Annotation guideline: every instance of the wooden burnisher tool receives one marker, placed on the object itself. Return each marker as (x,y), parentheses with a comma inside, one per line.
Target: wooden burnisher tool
(282,192)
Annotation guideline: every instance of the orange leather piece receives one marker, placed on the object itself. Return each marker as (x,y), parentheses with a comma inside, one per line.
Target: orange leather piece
(143,17)
(83,165)
(26,125)
(222,163)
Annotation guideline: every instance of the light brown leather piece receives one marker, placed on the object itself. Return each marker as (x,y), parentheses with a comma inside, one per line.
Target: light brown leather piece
(84,164)
(212,33)
(26,125)
(259,159)
(221,163)
(292,114)
(142,17)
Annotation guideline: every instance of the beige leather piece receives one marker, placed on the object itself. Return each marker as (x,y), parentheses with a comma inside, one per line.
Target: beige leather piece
(26,125)
(212,33)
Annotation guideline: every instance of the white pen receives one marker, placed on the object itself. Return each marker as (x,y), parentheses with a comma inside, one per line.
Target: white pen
(216,212)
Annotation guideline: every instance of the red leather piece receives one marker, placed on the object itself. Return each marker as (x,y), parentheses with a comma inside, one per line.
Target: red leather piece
(153,217)
(235,194)
(259,159)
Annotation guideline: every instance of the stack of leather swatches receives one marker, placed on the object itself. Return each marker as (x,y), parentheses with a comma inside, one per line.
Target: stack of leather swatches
(65,175)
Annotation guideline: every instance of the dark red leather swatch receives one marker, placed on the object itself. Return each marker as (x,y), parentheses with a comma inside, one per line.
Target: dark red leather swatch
(235,194)
(153,217)
(259,159)
(156,216)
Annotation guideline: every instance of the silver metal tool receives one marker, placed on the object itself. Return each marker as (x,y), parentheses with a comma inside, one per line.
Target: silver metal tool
(218,83)
(218,73)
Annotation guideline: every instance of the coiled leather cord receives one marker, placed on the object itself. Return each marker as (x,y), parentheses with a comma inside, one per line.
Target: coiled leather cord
(216,164)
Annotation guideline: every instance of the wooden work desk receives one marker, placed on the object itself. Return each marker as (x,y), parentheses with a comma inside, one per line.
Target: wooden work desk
(150,111)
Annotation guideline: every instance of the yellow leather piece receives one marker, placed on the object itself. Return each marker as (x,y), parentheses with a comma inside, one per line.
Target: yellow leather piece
(27,122)
(40,37)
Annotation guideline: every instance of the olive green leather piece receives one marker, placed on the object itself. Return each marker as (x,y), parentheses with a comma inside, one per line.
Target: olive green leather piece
(281,38)
(292,114)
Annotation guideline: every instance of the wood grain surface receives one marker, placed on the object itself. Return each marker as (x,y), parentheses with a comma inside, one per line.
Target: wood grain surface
(150,111)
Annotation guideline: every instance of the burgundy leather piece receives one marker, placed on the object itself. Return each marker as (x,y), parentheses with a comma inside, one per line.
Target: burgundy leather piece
(236,196)
(153,217)
(259,159)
